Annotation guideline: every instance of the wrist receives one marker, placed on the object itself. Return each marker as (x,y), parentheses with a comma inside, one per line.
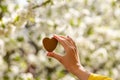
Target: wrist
(81,73)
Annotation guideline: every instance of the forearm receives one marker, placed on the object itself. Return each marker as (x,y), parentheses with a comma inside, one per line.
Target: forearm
(82,74)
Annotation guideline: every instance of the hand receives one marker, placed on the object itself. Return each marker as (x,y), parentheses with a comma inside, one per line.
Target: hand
(71,59)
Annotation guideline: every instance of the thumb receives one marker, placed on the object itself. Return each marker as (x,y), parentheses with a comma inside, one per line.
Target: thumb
(54,55)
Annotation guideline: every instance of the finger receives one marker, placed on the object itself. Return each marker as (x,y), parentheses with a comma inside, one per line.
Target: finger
(73,43)
(68,39)
(71,40)
(58,37)
(62,41)
(63,38)
(54,55)
(65,42)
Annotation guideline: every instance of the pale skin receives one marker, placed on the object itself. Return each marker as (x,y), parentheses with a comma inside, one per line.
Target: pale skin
(70,60)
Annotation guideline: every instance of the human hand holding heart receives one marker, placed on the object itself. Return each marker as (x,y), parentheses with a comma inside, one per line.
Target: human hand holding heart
(71,59)
(50,44)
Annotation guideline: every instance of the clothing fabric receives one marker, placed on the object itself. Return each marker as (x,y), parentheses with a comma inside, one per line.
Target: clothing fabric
(98,77)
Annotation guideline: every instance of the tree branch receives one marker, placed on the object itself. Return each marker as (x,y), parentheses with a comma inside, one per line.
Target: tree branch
(43,4)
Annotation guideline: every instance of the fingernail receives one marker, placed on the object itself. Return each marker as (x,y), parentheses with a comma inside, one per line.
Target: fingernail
(48,54)
(54,35)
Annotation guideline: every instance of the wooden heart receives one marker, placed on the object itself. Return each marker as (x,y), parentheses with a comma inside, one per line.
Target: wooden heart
(49,44)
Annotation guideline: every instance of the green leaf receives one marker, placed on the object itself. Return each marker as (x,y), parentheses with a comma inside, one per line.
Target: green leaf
(3,26)
(6,77)
(20,39)
(4,8)
(16,18)
(90,31)
(39,37)
(17,58)
(113,3)
(32,20)
(71,22)
(16,7)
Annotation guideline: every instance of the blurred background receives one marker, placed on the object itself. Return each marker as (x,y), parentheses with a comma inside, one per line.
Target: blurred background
(93,24)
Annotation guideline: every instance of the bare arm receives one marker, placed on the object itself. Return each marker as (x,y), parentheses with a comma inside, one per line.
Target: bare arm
(71,59)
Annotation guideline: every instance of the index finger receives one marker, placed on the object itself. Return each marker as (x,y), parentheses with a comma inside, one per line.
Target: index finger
(62,41)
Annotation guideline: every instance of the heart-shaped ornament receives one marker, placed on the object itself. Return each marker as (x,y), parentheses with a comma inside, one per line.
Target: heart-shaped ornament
(50,44)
